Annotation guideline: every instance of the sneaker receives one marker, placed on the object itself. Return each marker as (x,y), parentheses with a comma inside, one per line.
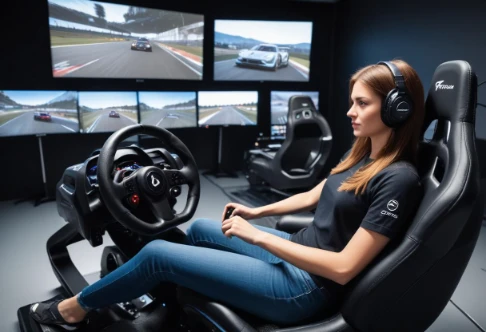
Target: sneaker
(47,313)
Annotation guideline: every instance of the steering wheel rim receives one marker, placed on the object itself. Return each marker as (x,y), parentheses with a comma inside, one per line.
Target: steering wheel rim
(145,182)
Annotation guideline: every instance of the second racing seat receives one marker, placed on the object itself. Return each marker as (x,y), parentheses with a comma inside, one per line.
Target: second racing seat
(303,154)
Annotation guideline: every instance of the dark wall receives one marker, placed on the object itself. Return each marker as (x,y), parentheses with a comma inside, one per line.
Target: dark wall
(423,33)
(26,65)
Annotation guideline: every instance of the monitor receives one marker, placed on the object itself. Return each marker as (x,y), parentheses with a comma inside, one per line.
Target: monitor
(107,111)
(262,50)
(225,108)
(278,132)
(92,39)
(24,112)
(168,109)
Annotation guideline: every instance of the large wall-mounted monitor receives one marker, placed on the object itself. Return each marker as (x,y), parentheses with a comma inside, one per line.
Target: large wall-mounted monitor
(262,50)
(106,112)
(91,39)
(224,108)
(168,109)
(279,108)
(24,112)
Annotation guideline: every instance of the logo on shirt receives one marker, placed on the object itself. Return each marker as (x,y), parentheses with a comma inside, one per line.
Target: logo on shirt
(392,205)
(386,213)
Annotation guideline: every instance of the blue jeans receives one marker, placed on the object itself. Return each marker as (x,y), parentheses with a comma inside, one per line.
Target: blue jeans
(230,271)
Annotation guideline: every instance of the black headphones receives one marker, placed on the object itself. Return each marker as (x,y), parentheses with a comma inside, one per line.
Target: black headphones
(397,106)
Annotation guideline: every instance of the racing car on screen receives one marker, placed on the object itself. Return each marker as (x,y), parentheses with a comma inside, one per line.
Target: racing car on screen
(42,116)
(264,56)
(172,116)
(114,114)
(142,44)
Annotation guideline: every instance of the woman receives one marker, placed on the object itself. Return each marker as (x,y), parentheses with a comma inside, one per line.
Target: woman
(365,203)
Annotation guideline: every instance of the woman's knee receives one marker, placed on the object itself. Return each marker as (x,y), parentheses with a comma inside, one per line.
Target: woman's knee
(199,227)
(152,249)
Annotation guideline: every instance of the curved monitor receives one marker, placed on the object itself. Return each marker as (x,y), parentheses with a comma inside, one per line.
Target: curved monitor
(168,109)
(224,108)
(102,112)
(262,50)
(24,112)
(91,39)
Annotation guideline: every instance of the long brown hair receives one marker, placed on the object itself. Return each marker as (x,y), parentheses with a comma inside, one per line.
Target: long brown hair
(402,143)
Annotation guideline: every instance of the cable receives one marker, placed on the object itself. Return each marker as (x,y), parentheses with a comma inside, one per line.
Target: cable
(478,87)
(480,104)
(467,315)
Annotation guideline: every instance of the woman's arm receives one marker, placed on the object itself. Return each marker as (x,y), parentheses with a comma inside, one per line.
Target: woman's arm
(305,201)
(340,267)
(377,228)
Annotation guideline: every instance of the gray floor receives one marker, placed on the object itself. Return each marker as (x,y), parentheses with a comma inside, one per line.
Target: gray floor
(26,274)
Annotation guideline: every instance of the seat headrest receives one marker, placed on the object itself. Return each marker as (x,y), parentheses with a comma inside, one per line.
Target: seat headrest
(452,94)
(301,102)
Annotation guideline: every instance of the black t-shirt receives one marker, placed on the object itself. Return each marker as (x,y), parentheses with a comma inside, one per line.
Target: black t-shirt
(388,203)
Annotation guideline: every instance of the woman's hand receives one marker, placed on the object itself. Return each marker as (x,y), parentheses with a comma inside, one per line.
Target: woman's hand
(240,210)
(241,228)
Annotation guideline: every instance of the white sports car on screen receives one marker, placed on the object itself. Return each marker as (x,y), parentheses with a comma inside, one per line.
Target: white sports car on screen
(264,56)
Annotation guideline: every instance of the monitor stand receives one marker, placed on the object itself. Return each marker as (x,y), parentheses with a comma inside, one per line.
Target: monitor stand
(37,198)
(218,172)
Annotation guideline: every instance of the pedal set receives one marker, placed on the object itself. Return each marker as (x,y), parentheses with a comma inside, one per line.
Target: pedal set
(131,309)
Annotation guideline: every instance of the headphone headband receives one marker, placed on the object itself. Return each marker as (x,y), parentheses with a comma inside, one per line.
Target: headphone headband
(397,75)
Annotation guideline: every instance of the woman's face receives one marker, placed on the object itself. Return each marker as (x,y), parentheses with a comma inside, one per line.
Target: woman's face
(365,112)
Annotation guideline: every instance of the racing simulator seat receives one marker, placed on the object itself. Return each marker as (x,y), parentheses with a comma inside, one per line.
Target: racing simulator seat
(404,289)
(302,155)
(409,284)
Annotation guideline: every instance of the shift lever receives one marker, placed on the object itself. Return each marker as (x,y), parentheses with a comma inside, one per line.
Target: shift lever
(228,213)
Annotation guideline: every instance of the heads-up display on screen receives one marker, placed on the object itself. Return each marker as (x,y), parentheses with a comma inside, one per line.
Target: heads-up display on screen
(24,112)
(262,50)
(107,111)
(225,108)
(92,39)
(168,109)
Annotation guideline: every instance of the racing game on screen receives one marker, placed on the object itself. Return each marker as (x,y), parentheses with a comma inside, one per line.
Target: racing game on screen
(227,108)
(107,111)
(168,109)
(25,112)
(92,39)
(262,50)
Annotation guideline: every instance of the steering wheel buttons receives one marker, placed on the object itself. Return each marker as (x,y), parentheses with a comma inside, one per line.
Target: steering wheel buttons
(130,186)
(134,200)
(175,191)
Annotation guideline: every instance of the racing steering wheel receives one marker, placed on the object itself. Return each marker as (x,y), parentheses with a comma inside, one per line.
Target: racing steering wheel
(150,183)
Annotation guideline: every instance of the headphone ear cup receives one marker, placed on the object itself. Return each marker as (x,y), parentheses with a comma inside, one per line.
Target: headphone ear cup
(386,108)
(396,109)
(400,109)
